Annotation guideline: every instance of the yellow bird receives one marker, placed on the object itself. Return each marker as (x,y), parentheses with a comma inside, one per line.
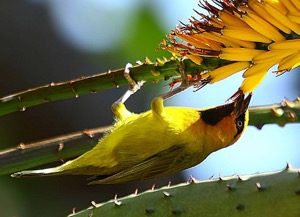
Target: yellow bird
(156,143)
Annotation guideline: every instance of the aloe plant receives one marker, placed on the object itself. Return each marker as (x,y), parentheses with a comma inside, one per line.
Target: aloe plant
(269,194)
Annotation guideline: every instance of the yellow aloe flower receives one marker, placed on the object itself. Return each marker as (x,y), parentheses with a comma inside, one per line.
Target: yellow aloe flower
(250,35)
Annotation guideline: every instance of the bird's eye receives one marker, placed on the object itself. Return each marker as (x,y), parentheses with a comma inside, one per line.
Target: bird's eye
(239,124)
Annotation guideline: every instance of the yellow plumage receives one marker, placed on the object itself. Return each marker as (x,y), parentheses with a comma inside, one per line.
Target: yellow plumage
(156,143)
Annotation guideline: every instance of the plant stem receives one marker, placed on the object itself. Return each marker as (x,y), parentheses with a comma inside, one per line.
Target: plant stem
(148,71)
(281,114)
(34,154)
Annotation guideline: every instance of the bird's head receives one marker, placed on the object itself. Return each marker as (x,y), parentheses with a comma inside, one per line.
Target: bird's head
(227,122)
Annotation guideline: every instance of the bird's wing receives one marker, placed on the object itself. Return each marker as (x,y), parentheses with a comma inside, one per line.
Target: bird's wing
(163,163)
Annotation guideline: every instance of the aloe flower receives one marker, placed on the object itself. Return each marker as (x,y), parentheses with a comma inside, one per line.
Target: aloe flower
(250,35)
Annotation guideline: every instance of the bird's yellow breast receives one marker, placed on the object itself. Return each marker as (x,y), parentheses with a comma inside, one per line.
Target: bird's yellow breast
(140,136)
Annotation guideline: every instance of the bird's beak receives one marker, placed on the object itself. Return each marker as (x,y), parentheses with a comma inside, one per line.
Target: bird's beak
(241,104)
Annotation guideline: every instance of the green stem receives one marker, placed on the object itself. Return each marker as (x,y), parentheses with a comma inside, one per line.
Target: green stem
(162,69)
(281,114)
(34,154)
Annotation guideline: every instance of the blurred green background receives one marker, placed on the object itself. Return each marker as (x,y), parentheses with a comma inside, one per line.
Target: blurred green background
(44,41)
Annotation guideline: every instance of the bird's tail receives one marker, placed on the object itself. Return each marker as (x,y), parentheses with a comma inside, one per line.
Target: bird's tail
(43,172)
(33,173)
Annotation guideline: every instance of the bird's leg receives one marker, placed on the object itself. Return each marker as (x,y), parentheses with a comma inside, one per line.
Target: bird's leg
(185,83)
(133,85)
(118,107)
